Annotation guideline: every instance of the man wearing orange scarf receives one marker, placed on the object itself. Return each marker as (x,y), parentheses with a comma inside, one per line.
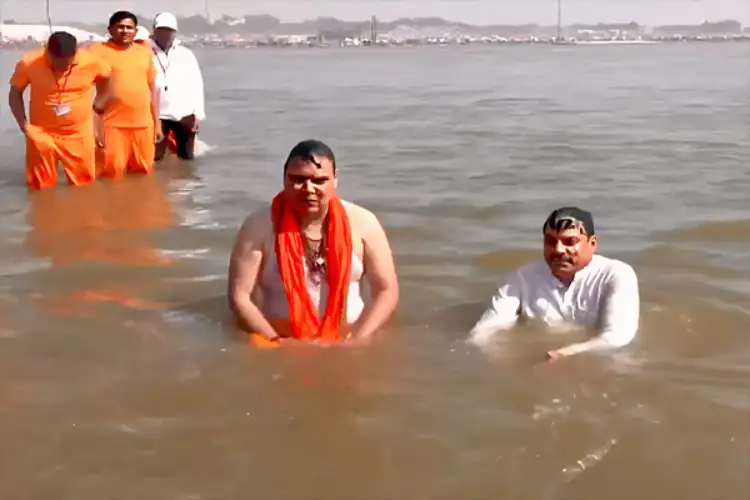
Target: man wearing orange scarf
(296,266)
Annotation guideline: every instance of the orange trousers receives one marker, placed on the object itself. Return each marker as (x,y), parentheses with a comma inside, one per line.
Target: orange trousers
(128,149)
(45,150)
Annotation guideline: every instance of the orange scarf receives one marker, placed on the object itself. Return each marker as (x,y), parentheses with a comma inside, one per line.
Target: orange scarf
(290,255)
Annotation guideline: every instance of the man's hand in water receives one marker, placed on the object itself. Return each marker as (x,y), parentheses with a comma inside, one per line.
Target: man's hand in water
(289,341)
(570,350)
(357,340)
(555,355)
(350,341)
(295,342)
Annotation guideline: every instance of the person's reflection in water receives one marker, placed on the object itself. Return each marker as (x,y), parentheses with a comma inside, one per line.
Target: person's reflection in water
(103,223)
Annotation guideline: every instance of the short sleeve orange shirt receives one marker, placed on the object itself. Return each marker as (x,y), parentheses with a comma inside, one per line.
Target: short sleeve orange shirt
(133,77)
(49,89)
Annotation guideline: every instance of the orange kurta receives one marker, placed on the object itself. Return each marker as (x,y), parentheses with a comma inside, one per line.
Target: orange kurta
(60,116)
(128,120)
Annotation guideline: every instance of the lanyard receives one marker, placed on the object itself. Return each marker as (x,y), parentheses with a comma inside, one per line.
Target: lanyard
(158,59)
(61,89)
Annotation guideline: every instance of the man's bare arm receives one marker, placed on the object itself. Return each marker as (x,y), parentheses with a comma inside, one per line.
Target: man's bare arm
(244,268)
(155,98)
(17,107)
(18,83)
(380,272)
(102,91)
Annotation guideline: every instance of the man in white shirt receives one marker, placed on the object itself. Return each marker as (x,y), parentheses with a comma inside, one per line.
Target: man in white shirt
(571,285)
(180,82)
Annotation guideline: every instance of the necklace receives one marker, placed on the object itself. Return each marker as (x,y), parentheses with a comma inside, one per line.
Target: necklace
(315,258)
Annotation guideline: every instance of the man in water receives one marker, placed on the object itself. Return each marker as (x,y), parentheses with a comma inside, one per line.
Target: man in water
(63,80)
(181,92)
(131,120)
(571,285)
(307,254)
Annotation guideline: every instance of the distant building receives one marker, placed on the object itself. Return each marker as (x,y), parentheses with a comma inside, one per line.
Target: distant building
(14,33)
(404,34)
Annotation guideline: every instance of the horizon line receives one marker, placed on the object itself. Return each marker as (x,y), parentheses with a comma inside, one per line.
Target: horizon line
(213,20)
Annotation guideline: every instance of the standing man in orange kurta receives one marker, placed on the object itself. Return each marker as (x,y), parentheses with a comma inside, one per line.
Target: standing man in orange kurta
(131,119)
(62,79)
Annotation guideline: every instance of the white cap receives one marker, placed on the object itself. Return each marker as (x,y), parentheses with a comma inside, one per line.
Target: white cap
(165,20)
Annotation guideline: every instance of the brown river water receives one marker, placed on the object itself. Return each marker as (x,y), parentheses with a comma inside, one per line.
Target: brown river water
(122,377)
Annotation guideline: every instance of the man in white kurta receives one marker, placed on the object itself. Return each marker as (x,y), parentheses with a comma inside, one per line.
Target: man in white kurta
(571,285)
(181,91)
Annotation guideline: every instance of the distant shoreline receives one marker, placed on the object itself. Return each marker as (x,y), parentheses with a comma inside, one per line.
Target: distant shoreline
(267,31)
(233,45)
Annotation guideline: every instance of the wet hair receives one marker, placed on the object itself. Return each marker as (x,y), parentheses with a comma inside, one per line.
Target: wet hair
(308,150)
(565,218)
(121,15)
(62,44)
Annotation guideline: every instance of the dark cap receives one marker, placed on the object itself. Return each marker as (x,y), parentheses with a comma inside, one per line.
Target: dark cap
(569,217)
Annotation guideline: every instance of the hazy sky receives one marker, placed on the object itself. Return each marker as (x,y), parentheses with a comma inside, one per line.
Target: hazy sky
(471,11)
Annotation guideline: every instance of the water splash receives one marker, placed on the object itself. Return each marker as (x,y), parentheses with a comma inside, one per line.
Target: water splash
(587,461)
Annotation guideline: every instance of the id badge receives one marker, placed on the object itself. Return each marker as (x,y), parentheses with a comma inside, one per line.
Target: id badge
(62,109)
